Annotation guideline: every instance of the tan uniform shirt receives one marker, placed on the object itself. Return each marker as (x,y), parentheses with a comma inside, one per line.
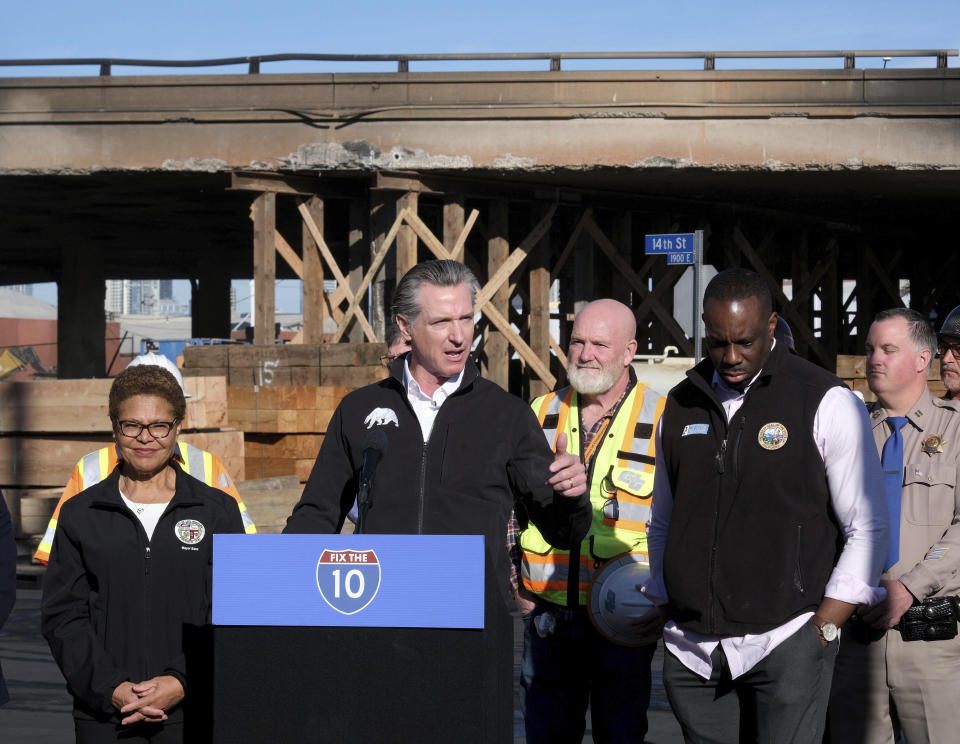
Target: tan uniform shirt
(929,562)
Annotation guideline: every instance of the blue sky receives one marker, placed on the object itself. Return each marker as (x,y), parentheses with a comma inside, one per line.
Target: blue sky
(203,29)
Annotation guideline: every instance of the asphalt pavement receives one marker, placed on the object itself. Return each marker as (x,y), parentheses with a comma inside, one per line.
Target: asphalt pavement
(39,707)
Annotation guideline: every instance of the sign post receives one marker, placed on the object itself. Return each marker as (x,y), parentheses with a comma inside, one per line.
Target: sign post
(682,249)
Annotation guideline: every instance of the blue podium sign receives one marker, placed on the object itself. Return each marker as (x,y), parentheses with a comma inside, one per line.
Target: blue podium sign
(396,581)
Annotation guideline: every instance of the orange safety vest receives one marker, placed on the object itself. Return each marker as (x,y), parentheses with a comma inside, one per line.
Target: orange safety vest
(94,467)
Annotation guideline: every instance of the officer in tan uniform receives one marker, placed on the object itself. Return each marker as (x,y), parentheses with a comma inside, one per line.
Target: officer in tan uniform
(898,669)
(948,349)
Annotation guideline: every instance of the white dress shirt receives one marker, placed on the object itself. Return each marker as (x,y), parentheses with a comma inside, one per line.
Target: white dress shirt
(427,407)
(841,430)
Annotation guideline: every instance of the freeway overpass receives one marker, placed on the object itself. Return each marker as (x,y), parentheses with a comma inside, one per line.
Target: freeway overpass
(823,174)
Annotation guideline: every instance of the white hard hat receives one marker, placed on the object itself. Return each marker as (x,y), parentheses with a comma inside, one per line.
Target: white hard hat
(616,599)
(159,360)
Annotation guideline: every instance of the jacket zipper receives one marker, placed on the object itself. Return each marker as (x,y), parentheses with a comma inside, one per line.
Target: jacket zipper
(721,469)
(737,430)
(423,487)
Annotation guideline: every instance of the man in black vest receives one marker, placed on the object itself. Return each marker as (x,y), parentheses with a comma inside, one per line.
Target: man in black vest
(768,528)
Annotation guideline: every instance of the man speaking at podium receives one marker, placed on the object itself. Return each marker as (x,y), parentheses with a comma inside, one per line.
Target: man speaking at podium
(456,451)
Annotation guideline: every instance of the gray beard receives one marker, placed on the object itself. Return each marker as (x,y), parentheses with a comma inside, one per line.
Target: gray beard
(592,381)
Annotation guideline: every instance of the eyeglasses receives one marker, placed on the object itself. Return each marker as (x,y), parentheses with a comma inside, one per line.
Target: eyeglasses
(953,348)
(156,429)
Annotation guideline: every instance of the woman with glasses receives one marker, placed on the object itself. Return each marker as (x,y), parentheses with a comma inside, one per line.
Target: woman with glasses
(129,576)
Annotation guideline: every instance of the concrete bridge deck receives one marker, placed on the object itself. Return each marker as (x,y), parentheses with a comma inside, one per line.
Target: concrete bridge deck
(819,176)
(504,121)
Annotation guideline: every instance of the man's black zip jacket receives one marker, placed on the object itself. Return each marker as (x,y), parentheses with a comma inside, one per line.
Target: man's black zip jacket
(115,605)
(485,451)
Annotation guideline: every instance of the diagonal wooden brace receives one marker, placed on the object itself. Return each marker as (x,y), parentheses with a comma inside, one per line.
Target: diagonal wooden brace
(335,269)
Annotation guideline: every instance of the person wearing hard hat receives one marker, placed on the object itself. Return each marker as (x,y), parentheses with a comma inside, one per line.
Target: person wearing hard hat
(96,466)
(898,673)
(948,349)
(768,527)
(573,657)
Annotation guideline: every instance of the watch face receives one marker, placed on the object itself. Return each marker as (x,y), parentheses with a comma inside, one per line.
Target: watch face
(829,632)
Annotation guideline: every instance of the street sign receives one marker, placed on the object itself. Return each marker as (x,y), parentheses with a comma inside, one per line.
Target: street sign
(669,243)
(682,249)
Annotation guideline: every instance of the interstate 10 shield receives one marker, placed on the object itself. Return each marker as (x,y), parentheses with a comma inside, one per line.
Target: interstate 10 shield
(348,580)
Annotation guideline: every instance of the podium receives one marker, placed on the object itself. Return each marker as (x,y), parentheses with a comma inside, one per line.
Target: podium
(359,638)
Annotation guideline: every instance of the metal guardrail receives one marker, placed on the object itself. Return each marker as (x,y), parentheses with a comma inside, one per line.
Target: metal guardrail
(555,59)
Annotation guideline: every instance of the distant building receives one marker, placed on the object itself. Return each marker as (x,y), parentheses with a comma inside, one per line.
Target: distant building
(143,297)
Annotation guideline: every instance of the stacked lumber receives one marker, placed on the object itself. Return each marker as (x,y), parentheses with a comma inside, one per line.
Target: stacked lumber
(282,396)
(267,455)
(351,365)
(283,410)
(47,460)
(283,426)
(852,370)
(46,426)
(81,405)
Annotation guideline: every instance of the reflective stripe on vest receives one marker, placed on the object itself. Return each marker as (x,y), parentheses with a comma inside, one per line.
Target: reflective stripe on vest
(635,485)
(620,489)
(192,460)
(549,573)
(93,467)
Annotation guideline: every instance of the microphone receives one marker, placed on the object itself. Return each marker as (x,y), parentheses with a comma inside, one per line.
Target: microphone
(374,447)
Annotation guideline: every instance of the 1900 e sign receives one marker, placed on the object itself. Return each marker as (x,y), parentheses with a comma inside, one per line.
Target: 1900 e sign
(678,247)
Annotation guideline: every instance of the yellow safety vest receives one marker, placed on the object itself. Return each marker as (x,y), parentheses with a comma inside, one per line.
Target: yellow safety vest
(621,489)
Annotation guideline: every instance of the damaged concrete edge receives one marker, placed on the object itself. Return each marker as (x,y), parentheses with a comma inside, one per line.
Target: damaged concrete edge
(362,157)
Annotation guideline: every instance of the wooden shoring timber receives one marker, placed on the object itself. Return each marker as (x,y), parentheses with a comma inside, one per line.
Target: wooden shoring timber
(496,348)
(316,307)
(453,224)
(354,308)
(288,254)
(883,275)
(538,305)
(798,323)
(501,323)
(571,242)
(264,266)
(378,258)
(406,253)
(814,277)
(517,257)
(648,299)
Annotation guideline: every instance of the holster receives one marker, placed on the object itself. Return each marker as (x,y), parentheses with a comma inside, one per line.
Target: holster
(933,619)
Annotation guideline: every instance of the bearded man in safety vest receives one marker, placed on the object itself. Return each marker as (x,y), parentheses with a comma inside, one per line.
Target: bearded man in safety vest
(609,419)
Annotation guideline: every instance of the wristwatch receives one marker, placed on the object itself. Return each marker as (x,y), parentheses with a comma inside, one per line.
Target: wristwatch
(827,630)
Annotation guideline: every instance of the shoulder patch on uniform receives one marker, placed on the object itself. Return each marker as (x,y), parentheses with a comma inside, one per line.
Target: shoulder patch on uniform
(692,429)
(381,417)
